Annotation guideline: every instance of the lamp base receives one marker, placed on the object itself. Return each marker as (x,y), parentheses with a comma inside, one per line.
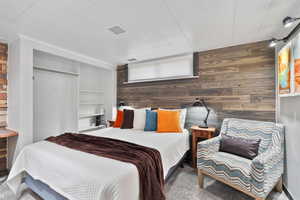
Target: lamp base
(200,126)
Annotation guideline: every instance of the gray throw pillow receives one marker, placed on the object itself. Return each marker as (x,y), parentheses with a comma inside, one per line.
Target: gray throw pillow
(247,148)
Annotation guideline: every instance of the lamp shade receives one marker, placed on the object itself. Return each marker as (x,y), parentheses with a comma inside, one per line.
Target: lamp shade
(197,103)
(121,103)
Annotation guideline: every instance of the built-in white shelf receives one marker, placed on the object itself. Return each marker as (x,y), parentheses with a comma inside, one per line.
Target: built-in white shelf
(289,95)
(90,115)
(92,91)
(91,128)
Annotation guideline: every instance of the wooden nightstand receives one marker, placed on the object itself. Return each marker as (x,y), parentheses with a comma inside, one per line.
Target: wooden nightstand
(199,133)
(4,135)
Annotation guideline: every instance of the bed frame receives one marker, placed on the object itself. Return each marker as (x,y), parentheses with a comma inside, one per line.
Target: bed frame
(45,192)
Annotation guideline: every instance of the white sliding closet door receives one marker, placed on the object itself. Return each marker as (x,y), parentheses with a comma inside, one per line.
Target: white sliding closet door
(55,104)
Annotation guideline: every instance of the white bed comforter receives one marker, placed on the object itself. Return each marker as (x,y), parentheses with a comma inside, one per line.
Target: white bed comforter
(82,176)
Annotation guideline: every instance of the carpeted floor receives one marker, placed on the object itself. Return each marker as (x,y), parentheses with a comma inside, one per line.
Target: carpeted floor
(181,186)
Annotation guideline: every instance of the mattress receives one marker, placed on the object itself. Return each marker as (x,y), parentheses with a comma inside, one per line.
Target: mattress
(81,176)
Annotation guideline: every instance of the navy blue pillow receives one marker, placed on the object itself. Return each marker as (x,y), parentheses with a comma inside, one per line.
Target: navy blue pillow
(151,121)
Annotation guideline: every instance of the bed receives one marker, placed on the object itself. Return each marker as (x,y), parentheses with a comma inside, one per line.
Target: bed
(75,175)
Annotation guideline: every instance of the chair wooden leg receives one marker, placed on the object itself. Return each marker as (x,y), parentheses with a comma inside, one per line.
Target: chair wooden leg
(200,178)
(278,186)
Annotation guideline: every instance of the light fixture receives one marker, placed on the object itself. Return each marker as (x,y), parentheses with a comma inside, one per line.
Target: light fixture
(289,21)
(274,42)
(121,103)
(132,59)
(201,103)
(117,30)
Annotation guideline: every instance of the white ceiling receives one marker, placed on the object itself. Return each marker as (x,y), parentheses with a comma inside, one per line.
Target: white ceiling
(154,28)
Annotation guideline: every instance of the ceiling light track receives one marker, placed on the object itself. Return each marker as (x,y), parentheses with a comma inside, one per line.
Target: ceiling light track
(287,22)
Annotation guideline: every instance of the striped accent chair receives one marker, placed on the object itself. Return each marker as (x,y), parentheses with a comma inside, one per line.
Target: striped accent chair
(255,177)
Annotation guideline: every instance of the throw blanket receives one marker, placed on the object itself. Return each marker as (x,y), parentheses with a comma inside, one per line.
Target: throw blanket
(147,160)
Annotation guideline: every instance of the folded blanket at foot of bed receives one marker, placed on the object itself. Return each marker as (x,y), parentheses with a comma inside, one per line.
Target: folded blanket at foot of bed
(147,160)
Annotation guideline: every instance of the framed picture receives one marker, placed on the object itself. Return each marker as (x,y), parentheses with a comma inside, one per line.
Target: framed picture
(296,62)
(284,70)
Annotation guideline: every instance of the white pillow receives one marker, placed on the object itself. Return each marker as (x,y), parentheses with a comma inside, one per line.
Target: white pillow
(139,120)
(126,107)
(182,116)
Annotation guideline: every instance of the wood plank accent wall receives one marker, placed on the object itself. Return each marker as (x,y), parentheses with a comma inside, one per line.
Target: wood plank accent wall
(236,81)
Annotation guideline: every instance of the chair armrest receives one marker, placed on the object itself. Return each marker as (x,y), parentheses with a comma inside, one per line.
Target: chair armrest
(268,158)
(267,165)
(208,147)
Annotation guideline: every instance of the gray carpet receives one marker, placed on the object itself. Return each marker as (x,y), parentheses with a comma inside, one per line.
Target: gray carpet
(182,186)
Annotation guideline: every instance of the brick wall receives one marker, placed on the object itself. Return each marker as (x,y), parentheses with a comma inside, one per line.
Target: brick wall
(3,84)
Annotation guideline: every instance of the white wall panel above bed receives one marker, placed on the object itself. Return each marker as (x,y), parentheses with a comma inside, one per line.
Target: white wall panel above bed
(164,68)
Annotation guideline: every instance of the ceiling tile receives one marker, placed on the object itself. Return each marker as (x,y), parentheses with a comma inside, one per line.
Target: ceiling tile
(207,23)
(248,21)
(12,9)
(153,28)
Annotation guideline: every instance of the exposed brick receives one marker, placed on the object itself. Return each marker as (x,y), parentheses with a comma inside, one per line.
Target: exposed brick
(3,96)
(3,85)
(3,105)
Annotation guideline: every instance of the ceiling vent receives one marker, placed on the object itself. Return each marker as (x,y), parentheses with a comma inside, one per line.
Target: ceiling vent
(132,59)
(117,30)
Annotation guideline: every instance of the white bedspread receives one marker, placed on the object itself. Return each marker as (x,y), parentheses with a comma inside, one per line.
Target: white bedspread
(82,176)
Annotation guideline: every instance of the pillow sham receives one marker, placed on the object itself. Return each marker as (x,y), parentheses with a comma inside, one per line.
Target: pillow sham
(151,121)
(168,121)
(128,116)
(247,148)
(182,115)
(119,119)
(139,121)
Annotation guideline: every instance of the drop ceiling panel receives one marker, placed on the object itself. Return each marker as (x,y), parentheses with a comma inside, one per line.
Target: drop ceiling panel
(276,12)
(84,27)
(207,23)
(153,28)
(12,9)
(249,18)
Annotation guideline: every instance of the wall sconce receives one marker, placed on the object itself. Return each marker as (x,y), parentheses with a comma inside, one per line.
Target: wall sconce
(274,42)
(289,21)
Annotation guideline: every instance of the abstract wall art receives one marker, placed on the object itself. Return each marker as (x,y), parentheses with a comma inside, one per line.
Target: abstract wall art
(284,70)
(296,58)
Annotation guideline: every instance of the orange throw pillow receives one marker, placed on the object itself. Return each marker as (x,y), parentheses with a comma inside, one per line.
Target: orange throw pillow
(119,119)
(168,121)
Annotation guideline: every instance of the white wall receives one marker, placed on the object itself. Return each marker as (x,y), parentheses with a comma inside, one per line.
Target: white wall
(20,107)
(290,117)
(20,87)
(288,113)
